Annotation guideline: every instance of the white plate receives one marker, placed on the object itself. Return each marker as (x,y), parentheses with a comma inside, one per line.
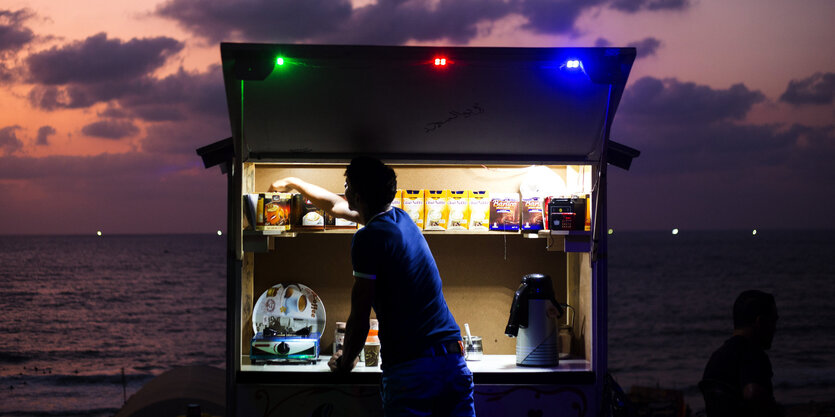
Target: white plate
(288,308)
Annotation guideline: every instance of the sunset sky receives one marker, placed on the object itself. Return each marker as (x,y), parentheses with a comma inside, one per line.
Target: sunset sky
(102,103)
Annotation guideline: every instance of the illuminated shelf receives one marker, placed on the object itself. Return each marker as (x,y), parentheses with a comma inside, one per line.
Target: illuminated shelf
(557,240)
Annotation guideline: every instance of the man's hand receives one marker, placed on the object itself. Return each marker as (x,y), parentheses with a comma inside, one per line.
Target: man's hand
(282,185)
(334,364)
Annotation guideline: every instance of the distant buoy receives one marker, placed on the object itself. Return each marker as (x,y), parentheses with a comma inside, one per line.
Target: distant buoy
(219,233)
(98,233)
(754,233)
(675,231)
(611,231)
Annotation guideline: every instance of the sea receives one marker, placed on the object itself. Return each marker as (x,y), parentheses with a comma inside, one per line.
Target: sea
(88,320)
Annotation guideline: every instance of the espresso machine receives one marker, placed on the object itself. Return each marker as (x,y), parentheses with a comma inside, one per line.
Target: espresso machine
(533,322)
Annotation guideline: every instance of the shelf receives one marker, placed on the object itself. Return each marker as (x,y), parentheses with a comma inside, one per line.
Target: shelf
(493,369)
(558,240)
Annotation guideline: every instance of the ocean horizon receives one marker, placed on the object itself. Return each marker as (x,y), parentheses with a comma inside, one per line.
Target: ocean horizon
(80,308)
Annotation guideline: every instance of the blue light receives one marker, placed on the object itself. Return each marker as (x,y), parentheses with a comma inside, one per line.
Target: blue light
(572,64)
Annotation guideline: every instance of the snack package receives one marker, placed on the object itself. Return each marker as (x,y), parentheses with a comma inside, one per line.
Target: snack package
(437,211)
(305,215)
(276,211)
(459,210)
(532,209)
(413,205)
(398,199)
(478,202)
(504,212)
(337,223)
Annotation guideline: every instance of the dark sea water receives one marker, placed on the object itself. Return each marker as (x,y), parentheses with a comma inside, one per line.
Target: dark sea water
(77,310)
(671,300)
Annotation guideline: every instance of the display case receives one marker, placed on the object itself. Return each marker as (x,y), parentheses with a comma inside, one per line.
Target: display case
(444,118)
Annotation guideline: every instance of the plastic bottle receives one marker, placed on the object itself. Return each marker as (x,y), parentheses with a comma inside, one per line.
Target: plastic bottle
(372,344)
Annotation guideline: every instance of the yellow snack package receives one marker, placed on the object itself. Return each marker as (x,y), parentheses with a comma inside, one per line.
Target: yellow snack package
(398,199)
(413,205)
(437,210)
(479,206)
(459,210)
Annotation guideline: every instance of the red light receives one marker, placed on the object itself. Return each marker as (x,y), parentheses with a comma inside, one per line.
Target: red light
(440,62)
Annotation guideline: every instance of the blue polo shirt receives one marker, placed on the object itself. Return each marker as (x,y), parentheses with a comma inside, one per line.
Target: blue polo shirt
(408,300)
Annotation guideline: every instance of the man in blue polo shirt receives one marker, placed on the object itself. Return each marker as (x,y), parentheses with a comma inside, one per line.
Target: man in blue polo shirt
(424,372)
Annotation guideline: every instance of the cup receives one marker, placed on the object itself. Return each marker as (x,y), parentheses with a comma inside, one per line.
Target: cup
(473,350)
(372,354)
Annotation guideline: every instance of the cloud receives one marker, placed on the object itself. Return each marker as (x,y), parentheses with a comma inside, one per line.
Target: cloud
(13,34)
(632,6)
(44,132)
(110,129)
(281,21)
(117,193)
(646,47)
(394,22)
(702,162)
(672,102)
(9,143)
(816,89)
(98,60)
(385,22)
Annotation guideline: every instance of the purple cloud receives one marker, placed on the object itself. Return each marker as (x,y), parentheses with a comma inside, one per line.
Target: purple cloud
(44,132)
(9,143)
(645,47)
(385,22)
(672,102)
(817,89)
(116,193)
(13,34)
(97,60)
(110,129)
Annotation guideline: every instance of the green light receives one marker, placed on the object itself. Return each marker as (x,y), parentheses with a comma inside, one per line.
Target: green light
(611,231)
(279,61)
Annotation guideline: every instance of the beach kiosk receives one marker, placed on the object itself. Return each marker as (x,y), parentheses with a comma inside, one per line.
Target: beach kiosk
(471,119)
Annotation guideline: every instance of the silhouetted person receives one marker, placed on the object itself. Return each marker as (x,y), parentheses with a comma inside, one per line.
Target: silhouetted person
(737,378)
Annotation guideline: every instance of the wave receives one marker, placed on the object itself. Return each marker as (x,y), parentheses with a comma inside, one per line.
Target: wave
(94,412)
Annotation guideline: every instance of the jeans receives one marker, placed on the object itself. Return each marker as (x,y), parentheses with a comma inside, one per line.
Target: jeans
(429,386)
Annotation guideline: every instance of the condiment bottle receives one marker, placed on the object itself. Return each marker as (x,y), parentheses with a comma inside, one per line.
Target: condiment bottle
(372,344)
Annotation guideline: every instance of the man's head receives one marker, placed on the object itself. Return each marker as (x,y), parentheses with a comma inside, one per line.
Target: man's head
(370,184)
(757,311)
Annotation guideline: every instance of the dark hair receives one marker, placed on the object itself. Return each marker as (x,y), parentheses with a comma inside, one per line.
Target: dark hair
(751,304)
(373,182)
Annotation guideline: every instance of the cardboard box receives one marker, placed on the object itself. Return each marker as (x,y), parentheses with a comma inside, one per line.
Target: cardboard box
(274,212)
(532,213)
(504,212)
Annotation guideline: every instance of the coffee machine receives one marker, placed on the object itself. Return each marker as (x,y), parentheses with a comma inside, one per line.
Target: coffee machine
(533,321)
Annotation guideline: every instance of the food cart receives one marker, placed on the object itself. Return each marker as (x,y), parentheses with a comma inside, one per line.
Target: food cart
(455,118)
